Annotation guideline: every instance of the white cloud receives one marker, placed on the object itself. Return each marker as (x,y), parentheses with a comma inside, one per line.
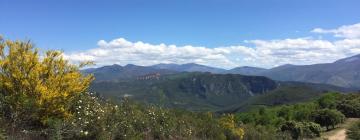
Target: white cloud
(262,53)
(121,51)
(347,31)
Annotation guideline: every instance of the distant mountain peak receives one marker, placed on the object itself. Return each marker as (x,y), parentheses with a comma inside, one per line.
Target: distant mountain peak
(349,59)
(352,59)
(250,67)
(191,64)
(246,70)
(114,66)
(188,67)
(286,65)
(130,65)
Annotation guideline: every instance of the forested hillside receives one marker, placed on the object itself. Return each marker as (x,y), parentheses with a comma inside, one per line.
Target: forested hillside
(198,91)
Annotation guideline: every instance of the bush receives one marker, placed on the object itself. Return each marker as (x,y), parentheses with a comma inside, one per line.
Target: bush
(232,129)
(259,132)
(311,130)
(328,100)
(98,119)
(354,131)
(3,134)
(350,106)
(301,129)
(35,89)
(328,117)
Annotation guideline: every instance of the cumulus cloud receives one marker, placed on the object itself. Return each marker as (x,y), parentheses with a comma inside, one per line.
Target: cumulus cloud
(260,53)
(121,51)
(346,31)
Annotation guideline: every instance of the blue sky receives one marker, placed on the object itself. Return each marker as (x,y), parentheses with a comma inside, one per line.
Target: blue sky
(78,25)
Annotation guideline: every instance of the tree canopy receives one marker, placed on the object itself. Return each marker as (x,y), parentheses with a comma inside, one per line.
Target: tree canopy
(328,117)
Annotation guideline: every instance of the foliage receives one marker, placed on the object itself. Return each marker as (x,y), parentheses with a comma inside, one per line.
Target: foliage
(328,117)
(301,120)
(349,105)
(233,130)
(354,131)
(95,118)
(280,122)
(328,100)
(259,132)
(98,119)
(301,129)
(3,134)
(275,116)
(36,89)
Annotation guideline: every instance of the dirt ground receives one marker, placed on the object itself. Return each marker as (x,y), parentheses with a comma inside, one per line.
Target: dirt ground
(340,132)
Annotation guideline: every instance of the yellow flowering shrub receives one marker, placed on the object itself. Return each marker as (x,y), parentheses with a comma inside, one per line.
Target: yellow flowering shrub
(228,123)
(47,82)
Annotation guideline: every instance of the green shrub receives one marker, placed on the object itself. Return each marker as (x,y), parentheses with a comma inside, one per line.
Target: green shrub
(301,129)
(259,132)
(328,117)
(2,135)
(349,105)
(328,100)
(98,119)
(354,131)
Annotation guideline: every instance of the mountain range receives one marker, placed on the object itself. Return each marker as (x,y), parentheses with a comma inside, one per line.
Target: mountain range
(344,72)
(116,72)
(203,88)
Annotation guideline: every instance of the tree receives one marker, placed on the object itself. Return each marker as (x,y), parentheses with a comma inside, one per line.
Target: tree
(301,129)
(328,100)
(37,87)
(328,117)
(350,106)
(302,112)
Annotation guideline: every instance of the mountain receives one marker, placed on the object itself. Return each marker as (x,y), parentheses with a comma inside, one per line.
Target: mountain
(189,67)
(344,72)
(117,72)
(355,58)
(194,91)
(198,91)
(246,70)
(285,93)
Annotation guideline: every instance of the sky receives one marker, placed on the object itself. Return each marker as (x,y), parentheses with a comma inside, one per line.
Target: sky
(219,33)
